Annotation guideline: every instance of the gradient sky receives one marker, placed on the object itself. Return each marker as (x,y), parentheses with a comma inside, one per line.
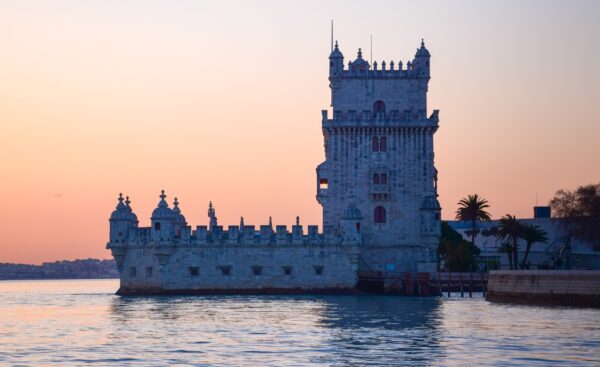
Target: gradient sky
(221,101)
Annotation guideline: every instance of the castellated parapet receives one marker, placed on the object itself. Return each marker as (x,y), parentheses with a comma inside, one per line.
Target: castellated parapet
(377,187)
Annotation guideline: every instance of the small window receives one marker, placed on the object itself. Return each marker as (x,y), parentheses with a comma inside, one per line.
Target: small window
(226,270)
(378,107)
(148,272)
(437,216)
(383,179)
(157,226)
(323,184)
(382,144)
(358,226)
(257,270)
(318,270)
(133,272)
(287,270)
(380,215)
(194,271)
(375,144)
(376,179)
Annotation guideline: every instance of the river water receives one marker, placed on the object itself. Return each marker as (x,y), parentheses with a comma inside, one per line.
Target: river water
(82,322)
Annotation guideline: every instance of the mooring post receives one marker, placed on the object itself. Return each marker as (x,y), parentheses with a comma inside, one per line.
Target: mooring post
(460,279)
(483,284)
(449,283)
(471,286)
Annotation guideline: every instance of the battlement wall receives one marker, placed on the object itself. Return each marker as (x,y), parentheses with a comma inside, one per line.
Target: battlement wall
(234,235)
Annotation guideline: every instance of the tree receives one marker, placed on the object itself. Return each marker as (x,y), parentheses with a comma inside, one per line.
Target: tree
(532,234)
(579,213)
(456,253)
(510,230)
(472,209)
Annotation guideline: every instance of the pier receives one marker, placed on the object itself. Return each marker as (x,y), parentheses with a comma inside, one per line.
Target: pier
(422,283)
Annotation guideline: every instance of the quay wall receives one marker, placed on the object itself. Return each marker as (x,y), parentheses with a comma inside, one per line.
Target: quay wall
(551,287)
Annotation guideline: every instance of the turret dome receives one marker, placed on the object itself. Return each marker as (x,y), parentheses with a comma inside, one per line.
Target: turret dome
(422,51)
(359,64)
(163,211)
(131,215)
(120,212)
(179,218)
(336,53)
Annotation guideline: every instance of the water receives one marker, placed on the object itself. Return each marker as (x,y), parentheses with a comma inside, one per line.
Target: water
(82,322)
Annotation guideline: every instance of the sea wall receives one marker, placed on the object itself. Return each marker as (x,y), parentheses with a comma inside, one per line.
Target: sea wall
(552,287)
(257,269)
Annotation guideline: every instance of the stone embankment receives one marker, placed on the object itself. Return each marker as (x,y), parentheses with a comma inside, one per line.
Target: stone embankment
(549,287)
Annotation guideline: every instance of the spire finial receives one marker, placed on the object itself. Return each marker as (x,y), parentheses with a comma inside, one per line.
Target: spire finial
(359,55)
(162,194)
(270,222)
(175,202)
(336,45)
(127,202)
(297,220)
(241,223)
(120,197)
(422,43)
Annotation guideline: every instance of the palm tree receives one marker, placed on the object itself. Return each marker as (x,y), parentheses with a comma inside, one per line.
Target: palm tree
(510,230)
(472,209)
(532,234)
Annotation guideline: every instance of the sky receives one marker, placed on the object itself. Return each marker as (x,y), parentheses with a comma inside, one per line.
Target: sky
(221,101)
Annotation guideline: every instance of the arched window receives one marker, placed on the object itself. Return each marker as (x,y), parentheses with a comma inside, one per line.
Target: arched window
(378,107)
(382,144)
(379,215)
(383,179)
(376,179)
(375,145)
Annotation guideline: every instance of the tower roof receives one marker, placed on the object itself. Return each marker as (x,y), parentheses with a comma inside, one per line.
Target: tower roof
(120,212)
(359,64)
(336,53)
(163,211)
(422,51)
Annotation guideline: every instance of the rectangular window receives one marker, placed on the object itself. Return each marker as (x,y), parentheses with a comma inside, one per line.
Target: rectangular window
(287,270)
(193,271)
(323,184)
(132,272)
(318,270)
(148,272)
(226,270)
(257,270)
(157,226)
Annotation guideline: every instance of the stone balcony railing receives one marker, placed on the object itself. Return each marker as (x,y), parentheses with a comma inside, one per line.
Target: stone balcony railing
(408,118)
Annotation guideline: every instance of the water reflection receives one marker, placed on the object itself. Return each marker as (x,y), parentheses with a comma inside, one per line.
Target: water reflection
(342,329)
(72,323)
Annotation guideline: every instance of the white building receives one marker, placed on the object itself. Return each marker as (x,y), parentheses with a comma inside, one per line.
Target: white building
(377,187)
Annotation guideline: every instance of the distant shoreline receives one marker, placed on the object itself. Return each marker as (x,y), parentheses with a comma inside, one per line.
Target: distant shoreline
(65,269)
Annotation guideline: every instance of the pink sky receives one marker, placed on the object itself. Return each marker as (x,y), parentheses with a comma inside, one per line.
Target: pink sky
(222,102)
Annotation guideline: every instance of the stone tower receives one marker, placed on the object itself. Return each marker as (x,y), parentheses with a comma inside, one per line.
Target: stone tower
(379,162)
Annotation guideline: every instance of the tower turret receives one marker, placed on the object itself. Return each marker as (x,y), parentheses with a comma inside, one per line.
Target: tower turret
(162,220)
(420,63)
(119,222)
(180,221)
(212,224)
(133,219)
(351,223)
(336,62)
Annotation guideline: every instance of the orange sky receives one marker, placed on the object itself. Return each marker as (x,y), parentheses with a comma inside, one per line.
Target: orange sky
(222,102)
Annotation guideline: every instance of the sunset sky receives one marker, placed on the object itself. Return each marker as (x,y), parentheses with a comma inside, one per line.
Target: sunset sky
(221,101)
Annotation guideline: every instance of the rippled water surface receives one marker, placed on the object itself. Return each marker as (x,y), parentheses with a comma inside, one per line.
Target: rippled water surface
(82,322)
